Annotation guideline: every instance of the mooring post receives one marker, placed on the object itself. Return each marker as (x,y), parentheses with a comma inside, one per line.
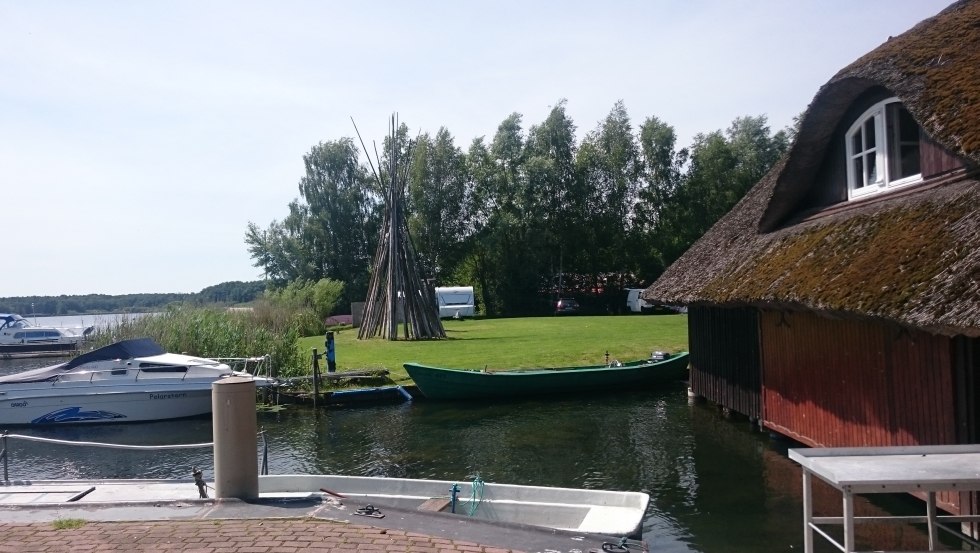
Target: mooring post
(316,376)
(235,438)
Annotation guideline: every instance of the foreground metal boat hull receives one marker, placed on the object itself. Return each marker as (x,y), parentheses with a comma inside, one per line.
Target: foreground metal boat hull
(588,511)
(442,383)
(603,512)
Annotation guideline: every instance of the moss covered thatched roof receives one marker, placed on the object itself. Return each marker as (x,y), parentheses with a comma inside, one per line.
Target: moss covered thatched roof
(912,257)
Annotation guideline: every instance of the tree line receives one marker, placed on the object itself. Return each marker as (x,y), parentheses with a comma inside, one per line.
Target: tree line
(226,293)
(526,216)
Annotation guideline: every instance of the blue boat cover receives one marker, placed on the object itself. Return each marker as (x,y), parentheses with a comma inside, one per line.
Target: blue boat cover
(9,319)
(126,349)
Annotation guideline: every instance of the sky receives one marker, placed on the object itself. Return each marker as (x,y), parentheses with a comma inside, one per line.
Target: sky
(139,139)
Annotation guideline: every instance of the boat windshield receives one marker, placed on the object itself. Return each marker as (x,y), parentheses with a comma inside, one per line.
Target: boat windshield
(13,321)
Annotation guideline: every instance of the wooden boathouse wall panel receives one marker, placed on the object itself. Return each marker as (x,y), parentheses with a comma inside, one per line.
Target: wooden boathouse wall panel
(838,383)
(724,346)
(835,383)
(966,353)
(934,159)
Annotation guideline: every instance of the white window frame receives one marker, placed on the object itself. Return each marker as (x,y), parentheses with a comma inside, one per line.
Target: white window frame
(878,113)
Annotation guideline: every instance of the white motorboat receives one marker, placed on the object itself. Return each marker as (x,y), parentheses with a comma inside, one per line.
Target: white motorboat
(129,381)
(19,336)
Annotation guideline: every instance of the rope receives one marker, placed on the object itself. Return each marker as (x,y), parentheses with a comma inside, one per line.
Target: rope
(476,490)
(111,446)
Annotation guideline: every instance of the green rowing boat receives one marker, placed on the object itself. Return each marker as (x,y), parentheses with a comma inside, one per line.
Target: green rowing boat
(443,383)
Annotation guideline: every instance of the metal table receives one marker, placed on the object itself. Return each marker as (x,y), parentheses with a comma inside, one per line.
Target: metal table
(867,470)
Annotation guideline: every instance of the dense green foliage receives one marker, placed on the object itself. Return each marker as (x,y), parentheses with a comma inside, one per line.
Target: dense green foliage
(226,293)
(230,293)
(331,232)
(208,332)
(529,215)
(513,343)
(310,303)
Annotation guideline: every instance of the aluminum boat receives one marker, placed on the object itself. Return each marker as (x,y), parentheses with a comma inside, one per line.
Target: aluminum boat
(613,513)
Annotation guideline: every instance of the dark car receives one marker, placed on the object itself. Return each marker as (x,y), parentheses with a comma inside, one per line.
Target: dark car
(566,306)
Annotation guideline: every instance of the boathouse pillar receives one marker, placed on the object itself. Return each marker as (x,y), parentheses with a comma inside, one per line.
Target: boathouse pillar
(236,472)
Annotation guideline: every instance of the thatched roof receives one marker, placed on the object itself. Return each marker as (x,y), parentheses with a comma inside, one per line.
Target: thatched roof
(911,256)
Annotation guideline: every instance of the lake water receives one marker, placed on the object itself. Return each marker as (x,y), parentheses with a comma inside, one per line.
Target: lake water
(80,321)
(717,484)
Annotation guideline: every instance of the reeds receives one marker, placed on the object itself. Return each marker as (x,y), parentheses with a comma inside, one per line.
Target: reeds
(213,332)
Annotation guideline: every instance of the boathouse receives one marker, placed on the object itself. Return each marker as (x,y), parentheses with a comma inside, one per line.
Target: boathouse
(838,303)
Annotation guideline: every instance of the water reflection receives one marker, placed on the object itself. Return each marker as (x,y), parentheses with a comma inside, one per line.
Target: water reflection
(717,485)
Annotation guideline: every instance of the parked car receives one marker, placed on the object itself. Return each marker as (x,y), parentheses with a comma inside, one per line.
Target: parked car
(566,306)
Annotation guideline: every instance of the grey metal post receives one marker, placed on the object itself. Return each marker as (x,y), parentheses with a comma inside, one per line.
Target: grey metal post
(807,512)
(848,522)
(235,438)
(6,477)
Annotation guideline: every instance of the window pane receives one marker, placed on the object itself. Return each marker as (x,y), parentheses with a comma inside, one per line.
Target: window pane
(858,171)
(903,143)
(872,168)
(907,125)
(910,161)
(869,133)
(857,146)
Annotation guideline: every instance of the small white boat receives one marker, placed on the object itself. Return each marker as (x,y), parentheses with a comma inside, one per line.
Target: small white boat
(129,381)
(19,336)
(610,513)
(577,510)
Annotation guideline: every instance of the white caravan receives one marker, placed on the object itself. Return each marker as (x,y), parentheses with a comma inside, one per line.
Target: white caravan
(455,302)
(635,303)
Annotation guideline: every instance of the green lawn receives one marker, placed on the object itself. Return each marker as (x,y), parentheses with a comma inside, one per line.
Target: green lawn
(523,342)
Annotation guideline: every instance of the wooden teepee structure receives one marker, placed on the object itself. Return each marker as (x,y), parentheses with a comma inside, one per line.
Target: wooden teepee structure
(396,292)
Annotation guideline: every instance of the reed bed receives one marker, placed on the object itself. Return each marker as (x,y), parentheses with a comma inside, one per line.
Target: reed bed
(212,332)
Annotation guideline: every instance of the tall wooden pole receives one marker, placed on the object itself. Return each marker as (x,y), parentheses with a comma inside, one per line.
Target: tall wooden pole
(395,285)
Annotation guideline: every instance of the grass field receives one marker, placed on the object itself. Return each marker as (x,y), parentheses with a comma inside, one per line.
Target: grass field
(522,342)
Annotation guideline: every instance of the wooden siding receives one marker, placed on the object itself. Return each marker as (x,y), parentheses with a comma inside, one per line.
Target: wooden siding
(834,383)
(724,347)
(837,383)
(966,353)
(934,160)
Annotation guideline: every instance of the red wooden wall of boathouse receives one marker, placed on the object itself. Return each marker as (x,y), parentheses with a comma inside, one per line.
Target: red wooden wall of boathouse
(839,383)
(832,383)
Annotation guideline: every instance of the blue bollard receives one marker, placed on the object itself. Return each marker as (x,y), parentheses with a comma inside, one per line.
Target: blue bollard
(453,492)
(331,354)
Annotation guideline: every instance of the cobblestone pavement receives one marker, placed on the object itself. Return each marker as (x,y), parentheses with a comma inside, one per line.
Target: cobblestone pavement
(222,536)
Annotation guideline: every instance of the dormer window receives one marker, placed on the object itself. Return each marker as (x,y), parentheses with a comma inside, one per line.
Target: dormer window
(882,150)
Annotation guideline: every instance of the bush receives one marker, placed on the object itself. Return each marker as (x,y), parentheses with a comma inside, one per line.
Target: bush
(320,298)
